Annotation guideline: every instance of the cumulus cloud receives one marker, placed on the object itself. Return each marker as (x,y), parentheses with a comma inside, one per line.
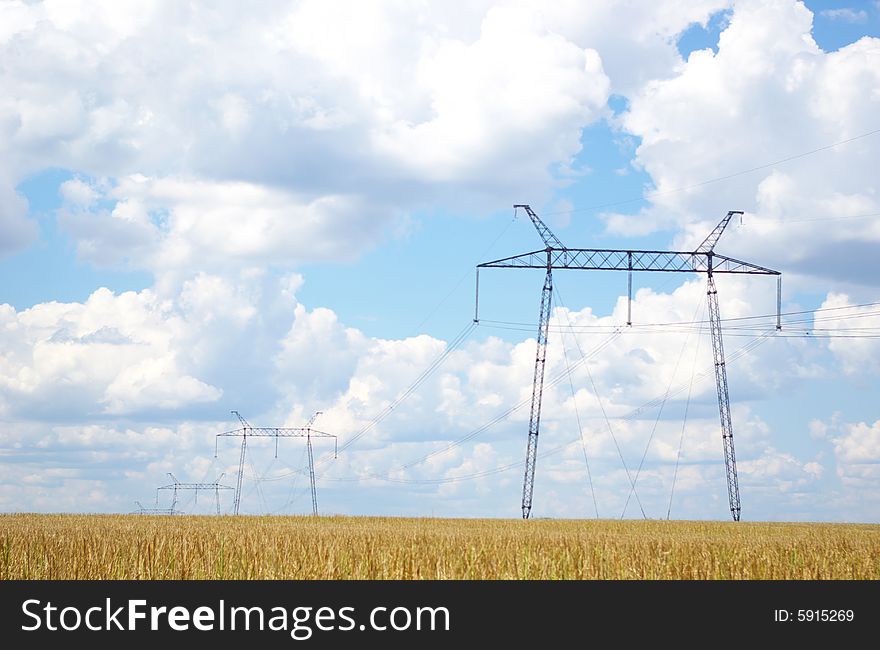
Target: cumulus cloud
(260,112)
(780,472)
(854,461)
(537,82)
(345,115)
(169,225)
(858,357)
(631,31)
(143,352)
(859,444)
(111,354)
(856,449)
(319,354)
(769,93)
(846,14)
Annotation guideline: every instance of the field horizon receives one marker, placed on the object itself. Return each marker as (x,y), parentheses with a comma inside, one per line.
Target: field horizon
(338,547)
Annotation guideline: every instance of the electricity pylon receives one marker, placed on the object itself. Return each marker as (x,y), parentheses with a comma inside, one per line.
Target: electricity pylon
(152,511)
(176,485)
(247,431)
(702,260)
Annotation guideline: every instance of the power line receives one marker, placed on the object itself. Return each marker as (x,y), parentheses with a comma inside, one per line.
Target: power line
(465,275)
(717,179)
(836,218)
(605,417)
(489,323)
(687,406)
(577,416)
(498,418)
(660,410)
(631,415)
(450,348)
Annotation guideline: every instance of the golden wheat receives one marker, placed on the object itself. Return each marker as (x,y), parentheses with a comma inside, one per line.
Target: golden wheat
(155,547)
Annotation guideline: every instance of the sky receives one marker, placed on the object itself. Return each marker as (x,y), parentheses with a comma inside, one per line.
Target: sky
(279,210)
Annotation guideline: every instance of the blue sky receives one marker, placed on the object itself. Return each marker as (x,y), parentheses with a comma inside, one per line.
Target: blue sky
(281,213)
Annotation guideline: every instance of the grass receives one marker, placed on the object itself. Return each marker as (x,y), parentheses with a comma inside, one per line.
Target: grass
(157,548)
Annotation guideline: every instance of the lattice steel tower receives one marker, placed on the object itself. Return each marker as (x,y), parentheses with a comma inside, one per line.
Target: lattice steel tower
(703,259)
(247,431)
(176,485)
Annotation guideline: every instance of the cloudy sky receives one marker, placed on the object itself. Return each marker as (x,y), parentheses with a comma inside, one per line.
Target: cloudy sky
(278,209)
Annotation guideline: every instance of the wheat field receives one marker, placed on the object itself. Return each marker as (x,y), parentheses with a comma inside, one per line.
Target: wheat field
(180,547)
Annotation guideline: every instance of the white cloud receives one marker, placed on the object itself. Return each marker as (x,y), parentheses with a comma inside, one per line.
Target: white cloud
(770,92)
(258,111)
(155,383)
(542,86)
(349,115)
(859,444)
(15,18)
(818,429)
(846,14)
(142,352)
(814,469)
(111,354)
(78,192)
(637,41)
(858,356)
(857,452)
(168,225)
(778,472)
(318,355)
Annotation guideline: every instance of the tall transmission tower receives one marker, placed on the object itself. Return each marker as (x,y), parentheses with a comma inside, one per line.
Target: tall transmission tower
(247,431)
(703,259)
(176,485)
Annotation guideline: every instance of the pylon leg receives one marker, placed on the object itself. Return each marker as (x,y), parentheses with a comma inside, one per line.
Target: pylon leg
(312,476)
(723,400)
(537,395)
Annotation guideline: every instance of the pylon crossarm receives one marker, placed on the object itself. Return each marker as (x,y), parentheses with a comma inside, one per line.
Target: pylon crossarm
(195,486)
(606,259)
(275,432)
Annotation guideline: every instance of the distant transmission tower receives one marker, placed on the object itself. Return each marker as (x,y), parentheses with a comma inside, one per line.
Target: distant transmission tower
(247,431)
(702,260)
(152,511)
(196,487)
